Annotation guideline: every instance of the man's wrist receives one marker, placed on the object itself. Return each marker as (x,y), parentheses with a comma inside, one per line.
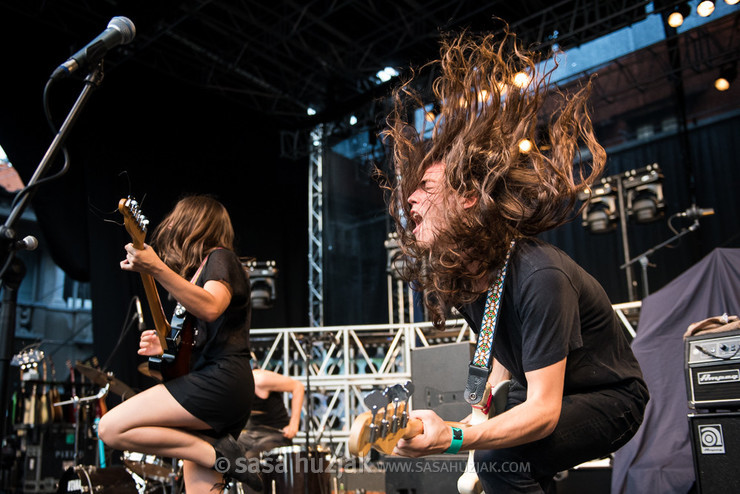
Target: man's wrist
(457,441)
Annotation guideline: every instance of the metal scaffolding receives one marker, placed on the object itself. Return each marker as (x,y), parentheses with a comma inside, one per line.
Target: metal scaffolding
(316,228)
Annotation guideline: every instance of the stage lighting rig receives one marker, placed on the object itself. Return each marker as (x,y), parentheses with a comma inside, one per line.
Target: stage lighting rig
(600,214)
(644,194)
(262,282)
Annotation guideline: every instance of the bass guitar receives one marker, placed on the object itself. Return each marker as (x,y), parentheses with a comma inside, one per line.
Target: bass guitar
(175,336)
(387,421)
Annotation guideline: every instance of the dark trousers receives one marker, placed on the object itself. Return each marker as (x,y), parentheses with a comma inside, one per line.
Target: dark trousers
(591,426)
(262,438)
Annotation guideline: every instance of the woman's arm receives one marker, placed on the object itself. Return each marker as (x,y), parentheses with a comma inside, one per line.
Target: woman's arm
(206,304)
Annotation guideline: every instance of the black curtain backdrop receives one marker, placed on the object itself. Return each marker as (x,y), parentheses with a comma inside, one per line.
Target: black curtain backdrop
(714,150)
(158,139)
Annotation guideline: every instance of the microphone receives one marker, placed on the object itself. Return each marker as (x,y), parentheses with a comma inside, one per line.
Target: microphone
(120,31)
(28,242)
(694,213)
(140,315)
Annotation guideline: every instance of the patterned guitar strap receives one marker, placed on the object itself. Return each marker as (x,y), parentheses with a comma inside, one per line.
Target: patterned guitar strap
(480,365)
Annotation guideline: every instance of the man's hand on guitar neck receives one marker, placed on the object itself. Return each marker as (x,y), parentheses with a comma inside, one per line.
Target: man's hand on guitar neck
(435,439)
(149,344)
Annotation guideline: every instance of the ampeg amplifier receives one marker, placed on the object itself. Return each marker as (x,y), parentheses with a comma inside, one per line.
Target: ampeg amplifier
(713,370)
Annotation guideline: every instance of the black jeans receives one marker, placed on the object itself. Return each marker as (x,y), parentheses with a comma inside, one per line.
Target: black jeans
(591,426)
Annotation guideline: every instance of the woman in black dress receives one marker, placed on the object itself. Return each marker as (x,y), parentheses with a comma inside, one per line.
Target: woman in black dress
(195,417)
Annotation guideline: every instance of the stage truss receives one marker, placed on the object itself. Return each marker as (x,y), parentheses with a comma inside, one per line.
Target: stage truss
(347,362)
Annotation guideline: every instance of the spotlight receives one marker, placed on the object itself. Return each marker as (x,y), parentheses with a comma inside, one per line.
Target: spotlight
(731,2)
(705,8)
(521,79)
(261,282)
(310,111)
(386,74)
(727,75)
(352,120)
(644,193)
(525,146)
(679,14)
(600,214)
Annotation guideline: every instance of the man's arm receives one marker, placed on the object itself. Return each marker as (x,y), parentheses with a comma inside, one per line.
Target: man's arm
(532,420)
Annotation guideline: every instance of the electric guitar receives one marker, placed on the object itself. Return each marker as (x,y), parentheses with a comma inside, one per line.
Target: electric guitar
(176,337)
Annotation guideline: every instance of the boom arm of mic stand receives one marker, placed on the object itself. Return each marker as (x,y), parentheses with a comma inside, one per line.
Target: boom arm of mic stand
(643,258)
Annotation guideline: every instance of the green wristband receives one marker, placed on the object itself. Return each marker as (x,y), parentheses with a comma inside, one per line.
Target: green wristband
(457,440)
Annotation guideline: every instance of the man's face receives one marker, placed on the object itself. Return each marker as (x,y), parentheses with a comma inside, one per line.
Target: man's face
(427,205)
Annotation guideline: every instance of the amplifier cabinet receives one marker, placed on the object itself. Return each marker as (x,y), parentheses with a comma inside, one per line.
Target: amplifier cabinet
(713,370)
(715,448)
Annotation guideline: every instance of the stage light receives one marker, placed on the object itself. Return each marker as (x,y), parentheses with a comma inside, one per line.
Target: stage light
(679,14)
(705,8)
(352,120)
(521,79)
(311,111)
(600,214)
(644,194)
(731,2)
(386,74)
(429,116)
(525,146)
(727,75)
(261,281)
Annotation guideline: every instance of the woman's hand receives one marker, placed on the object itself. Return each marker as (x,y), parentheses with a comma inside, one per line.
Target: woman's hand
(149,344)
(435,439)
(141,260)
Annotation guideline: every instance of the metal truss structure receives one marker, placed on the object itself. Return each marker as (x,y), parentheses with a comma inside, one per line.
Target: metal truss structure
(342,364)
(316,228)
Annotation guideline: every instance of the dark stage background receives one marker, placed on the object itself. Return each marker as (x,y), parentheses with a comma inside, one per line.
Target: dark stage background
(172,137)
(156,138)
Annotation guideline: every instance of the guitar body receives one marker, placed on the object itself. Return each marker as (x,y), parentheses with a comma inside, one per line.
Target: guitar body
(175,361)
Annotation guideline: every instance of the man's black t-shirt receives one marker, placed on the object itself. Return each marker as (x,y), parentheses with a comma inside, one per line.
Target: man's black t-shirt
(552,309)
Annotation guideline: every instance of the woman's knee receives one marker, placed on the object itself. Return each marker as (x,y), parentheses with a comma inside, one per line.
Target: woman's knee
(109,429)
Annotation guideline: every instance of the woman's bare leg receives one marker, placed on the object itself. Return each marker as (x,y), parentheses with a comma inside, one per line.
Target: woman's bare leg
(153,422)
(201,479)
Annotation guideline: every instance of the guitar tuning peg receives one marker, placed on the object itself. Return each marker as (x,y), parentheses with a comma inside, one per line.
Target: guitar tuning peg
(409,387)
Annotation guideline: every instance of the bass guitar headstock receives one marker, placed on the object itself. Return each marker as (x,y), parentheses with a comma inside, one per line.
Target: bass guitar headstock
(385,423)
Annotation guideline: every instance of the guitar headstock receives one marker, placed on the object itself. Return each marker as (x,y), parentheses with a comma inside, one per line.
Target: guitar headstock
(384,424)
(135,222)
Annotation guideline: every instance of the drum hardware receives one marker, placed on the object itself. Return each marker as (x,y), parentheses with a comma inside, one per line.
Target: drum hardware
(75,401)
(106,379)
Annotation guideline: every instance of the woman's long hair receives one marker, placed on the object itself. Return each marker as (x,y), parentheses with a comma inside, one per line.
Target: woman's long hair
(196,226)
(486,108)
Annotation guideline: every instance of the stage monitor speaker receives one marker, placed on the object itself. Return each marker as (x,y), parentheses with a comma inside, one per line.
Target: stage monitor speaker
(439,374)
(715,445)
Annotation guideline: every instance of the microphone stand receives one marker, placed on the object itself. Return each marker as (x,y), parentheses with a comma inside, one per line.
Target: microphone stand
(13,272)
(308,341)
(643,258)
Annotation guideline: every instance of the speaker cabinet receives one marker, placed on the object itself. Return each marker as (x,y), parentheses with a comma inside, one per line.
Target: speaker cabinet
(439,374)
(715,445)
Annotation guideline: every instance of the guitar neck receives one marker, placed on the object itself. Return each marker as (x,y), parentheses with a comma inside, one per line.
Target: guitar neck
(161,325)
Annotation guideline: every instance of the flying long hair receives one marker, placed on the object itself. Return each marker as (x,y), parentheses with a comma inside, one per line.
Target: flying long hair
(491,97)
(196,226)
